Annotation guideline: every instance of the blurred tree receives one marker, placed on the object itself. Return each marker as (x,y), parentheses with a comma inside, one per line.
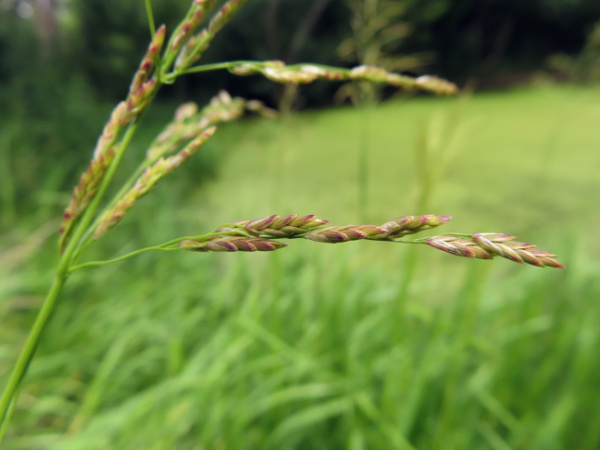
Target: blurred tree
(379,33)
(480,39)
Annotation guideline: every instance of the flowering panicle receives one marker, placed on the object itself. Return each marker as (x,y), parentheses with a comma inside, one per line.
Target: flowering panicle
(140,93)
(188,122)
(148,180)
(489,245)
(259,235)
(307,73)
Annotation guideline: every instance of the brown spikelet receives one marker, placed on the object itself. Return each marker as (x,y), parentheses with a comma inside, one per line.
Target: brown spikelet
(224,15)
(282,226)
(190,46)
(405,225)
(345,233)
(193,19)
(119,118)
(140,98)
(149,61)
(192,50)
(83,194)
(489,245)
(233,244)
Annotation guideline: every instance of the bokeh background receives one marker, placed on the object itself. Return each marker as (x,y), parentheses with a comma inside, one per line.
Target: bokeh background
(356,346)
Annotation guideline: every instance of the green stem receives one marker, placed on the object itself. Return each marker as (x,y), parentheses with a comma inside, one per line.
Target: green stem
(20,368)
(167,246)
(9,395)
(150,18)
(118,259)
(231,64)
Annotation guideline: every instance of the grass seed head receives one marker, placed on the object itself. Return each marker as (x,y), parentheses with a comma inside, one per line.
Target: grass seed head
(224,15)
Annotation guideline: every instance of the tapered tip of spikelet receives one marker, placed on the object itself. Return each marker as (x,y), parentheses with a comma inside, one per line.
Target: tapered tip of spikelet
(435,84)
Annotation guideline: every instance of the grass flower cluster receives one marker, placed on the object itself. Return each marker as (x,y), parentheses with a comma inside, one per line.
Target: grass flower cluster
(90,215)
(258,235)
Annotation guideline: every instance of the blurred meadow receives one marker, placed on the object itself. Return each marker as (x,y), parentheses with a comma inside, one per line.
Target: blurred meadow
(353,346)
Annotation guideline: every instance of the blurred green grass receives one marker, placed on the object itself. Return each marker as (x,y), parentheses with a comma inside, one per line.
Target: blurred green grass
(355,346)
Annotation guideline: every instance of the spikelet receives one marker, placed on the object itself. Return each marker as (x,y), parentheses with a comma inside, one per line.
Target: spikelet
(149,61)
(345,233)
(83,194)
(232,244)
(282,226)
(191,47)
(405,225)
(489,245)
(192,20)
(90,180)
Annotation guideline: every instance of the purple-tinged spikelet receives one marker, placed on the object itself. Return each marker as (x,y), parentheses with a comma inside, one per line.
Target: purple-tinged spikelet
(345,233)
(233,244)
(405,225)
(149,61)
(282,226)
(489,245)
(83,194)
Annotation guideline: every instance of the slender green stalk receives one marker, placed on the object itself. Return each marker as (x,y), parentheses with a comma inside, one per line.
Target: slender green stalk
(170,77)
(151,24)
(118,259)
(168,246)
(6,419)
(9,396)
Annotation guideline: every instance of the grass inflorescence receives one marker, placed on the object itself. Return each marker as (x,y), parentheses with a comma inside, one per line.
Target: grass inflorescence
(91,213)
